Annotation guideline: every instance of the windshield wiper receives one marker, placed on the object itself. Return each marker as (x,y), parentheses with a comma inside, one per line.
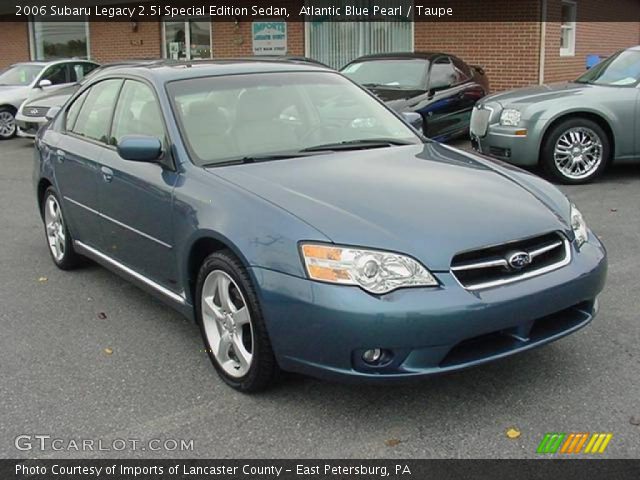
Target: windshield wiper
(254,159)
(358,144)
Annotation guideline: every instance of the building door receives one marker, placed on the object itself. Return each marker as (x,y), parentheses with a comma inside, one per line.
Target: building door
(337,43)
(187,39)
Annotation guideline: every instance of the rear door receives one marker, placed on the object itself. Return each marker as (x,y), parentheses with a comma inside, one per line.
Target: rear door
(77,156)
(136,198)
(444,106)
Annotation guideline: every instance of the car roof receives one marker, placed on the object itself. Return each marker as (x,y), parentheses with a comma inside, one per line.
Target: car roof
(400,56)
(42,63)
(170,70)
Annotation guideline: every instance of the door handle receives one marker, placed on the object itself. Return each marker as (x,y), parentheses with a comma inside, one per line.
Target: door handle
(61,155)
(107,174)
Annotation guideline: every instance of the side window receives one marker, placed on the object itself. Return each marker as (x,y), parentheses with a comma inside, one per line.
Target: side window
(137,113)
(94,118)
(56,74)
(442,74)
(74,110)
(463,71)
(81,70)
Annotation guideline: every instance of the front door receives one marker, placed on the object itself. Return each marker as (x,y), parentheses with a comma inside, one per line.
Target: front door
(136,198)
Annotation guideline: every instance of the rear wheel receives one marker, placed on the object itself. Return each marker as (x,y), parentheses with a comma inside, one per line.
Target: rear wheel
(232,326)
(57,234)
(7,123)
(576,151)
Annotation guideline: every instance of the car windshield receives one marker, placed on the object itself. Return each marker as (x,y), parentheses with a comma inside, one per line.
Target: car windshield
(280,115)
(621,69)
(410,74)
(20,74)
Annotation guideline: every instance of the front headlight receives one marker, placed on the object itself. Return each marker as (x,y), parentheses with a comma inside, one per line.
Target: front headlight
(510,117)
(373,270)
(579,226)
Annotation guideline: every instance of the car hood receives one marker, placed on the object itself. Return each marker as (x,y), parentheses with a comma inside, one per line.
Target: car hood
(52,99)
(428,201)
(540,93)
(12,91)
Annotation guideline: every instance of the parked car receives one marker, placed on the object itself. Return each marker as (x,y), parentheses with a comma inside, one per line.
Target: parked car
(440,87)
(32,114)
(573,130)
(19,81)
(304,236)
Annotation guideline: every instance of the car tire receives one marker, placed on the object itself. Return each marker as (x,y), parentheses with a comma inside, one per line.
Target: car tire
(232,325)
(575,151)
(8,127)
(57,233)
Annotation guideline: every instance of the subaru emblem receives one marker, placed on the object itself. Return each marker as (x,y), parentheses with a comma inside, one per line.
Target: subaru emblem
(519,260)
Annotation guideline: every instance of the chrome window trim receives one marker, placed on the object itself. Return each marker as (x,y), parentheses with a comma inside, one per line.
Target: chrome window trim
(90,251)
(530,274)
(123,225)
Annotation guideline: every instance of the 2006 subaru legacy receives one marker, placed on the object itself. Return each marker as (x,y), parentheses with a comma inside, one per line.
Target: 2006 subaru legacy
(306,227)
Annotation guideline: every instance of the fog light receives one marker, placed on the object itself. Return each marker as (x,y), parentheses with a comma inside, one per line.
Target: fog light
(372,356)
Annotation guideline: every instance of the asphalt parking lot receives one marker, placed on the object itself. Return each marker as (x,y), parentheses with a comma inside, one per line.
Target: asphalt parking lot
(157,383)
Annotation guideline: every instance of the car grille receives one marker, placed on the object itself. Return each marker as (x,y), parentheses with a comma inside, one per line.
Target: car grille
(511,262)
(480,121)
(35,111)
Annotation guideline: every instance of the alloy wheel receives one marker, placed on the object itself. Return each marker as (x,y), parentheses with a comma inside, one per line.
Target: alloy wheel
(578,153)
(55,228)
(7,124)
(227,324)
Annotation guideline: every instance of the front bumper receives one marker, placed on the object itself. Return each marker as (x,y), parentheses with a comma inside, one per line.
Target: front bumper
(28,126)
(322,330)
(503,143)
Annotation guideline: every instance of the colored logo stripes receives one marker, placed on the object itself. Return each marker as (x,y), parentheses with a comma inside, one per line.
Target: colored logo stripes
(574,443)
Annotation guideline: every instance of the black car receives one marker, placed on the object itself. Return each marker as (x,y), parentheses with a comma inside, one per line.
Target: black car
(440,87)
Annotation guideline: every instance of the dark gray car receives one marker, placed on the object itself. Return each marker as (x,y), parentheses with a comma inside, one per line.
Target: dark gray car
(573,130)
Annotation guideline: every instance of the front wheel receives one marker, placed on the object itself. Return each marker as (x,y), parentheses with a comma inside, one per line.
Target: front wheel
(8,127)
(576,151)
(232,326)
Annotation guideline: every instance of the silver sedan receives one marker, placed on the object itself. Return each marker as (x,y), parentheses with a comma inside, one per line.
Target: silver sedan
(573,130)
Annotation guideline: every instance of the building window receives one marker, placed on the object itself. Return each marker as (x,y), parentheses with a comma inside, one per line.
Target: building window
(52,40)
(568,29)
(187,39)
(337,43)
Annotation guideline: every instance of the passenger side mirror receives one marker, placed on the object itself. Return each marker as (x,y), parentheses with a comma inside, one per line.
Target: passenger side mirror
(51,113)
(44,83)
(414,119)
(140,148)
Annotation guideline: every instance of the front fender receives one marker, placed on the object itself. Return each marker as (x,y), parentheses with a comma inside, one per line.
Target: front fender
(542,120)
(258,232)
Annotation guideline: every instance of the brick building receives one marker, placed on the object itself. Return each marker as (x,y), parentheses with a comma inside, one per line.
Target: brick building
(514,53)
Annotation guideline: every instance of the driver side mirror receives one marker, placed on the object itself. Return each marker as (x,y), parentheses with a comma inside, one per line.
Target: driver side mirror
(44,83)
(51,113)
(414,119)
(140,148)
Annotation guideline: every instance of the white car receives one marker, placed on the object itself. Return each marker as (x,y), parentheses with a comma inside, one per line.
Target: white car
(23,80)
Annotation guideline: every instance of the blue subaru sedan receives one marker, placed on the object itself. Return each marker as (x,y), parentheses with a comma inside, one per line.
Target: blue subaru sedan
(306,227)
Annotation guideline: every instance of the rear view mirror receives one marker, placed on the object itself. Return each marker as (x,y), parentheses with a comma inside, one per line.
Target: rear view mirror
(140,148)
(414,119)
(44,83)
(51,113)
